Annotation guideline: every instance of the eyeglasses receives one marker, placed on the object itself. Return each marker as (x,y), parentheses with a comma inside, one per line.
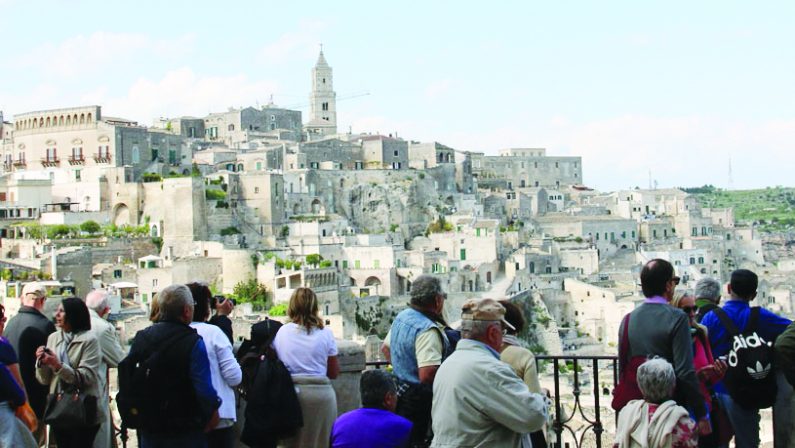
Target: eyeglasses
(689,309)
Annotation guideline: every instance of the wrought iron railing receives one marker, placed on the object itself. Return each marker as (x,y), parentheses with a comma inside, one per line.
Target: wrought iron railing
(567,412)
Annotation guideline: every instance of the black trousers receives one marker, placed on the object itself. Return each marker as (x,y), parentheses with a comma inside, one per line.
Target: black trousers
(414,404)
(66,437)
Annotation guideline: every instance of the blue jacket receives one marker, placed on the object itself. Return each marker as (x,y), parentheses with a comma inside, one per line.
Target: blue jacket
(770,325)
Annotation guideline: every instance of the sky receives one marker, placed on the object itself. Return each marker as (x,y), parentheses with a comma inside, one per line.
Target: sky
(668,93)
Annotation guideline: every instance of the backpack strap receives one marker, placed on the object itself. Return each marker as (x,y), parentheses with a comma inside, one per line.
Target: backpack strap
(753,319)
(727,322)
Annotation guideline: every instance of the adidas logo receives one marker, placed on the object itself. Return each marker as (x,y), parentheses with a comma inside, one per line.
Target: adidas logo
(760,372)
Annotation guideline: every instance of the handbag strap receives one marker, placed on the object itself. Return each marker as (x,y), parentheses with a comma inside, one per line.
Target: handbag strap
(624,360)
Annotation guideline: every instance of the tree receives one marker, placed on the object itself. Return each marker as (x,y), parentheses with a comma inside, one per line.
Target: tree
(253,292)
(90,227)
(314,259)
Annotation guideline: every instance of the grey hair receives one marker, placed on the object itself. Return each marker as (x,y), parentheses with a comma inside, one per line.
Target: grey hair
(97,300)
(476,329)
(656,380)
(424,290)
(708,288)
(172,301)
(374,386)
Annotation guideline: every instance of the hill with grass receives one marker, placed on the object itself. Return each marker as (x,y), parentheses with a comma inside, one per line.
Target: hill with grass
(772,208)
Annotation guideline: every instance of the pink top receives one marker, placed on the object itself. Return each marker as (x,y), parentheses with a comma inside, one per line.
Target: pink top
(702,357)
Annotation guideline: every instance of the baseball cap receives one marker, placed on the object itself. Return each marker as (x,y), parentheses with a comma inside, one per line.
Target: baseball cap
(484,309)
(34,288)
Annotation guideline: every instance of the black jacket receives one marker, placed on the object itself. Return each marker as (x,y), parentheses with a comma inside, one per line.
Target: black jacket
(26,332)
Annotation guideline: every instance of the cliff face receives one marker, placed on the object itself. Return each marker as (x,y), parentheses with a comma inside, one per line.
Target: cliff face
(374,201)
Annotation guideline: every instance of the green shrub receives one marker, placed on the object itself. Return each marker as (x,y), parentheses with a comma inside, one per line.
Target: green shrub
(91,227)
(230,231)
(152,177)
(221,204)
(278,310)
(215,195)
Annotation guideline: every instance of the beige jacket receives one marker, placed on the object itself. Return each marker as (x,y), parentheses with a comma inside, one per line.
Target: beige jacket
(478,401)
(637,430)
(84,358)
(523,363)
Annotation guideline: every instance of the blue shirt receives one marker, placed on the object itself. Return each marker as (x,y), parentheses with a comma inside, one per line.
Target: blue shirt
(370,428)
(202,381)
(770,325)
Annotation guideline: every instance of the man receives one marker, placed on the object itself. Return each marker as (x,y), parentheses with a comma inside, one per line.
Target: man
(785,353)
(658,329)
(179,404)
(707,296)
(742,290)
(26,332)
(478,401)
(416,345)
(384,428)
(112,353)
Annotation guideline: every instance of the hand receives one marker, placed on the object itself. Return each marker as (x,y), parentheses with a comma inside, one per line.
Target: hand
(46,357)
(704,427)
(720,367)
(225,308)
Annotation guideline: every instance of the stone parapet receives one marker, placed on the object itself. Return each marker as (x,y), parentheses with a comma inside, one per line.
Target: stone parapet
(346,386)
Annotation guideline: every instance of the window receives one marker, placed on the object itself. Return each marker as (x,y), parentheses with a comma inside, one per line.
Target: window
(154,282)
(700,260)
(78,175)
(463,254)
(357,264)
(344,264)
(256,190)
(117,273)
(477,232)
(692,260)
(231,127)
(396,153)
(376,264)
(324,106)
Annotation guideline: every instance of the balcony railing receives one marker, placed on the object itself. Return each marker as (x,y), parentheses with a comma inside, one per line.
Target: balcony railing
(50,161)
(20,163)
(102,158)
(77,160)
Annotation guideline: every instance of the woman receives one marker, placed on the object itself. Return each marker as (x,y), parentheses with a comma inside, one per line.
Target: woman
(224,369)
(708,370)
(12,395)
(71,359)
(656,420)
(520,359)
(309,352)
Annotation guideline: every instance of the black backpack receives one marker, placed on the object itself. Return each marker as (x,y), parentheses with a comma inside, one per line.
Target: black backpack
(140,400)
(751,376)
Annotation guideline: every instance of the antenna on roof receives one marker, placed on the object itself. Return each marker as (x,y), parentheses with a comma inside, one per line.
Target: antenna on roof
(731,178)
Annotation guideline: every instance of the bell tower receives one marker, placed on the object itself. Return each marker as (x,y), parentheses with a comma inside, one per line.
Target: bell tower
(322,100)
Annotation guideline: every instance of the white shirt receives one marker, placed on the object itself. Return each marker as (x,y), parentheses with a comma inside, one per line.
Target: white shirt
(224,369)
(305,353)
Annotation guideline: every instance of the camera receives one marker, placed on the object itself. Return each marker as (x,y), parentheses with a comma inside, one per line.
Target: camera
(215,300)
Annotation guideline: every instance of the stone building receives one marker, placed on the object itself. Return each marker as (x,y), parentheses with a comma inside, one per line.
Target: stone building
(522,167)
(384,153)
(428,155)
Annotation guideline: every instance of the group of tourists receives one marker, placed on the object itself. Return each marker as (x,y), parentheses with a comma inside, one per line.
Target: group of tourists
(696,374)
(691,373)
(54,375)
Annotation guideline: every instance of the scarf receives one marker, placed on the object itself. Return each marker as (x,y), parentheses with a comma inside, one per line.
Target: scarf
(63,353)
(637,430)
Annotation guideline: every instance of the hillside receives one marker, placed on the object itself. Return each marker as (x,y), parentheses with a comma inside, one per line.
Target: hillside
(773,208)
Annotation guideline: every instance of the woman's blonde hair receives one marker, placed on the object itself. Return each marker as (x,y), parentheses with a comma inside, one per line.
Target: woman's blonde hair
(677,301)
(303,309)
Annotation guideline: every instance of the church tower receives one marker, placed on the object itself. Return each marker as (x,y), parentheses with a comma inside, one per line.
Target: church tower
(322,100)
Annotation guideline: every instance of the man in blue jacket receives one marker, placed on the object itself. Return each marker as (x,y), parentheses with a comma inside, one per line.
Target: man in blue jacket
(742,289)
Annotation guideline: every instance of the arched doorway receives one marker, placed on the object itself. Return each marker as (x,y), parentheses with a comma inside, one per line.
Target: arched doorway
(372,285)
(121,214)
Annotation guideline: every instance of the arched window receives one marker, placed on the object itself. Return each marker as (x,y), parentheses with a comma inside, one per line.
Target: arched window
(68,120)
(82,118)
(88,118)
(60,121)
(48,122)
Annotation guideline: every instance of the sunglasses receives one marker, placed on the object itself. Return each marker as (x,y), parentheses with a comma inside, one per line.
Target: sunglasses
(689,309)
(676,280)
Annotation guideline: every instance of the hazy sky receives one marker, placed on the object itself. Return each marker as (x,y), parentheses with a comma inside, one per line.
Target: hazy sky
(673,87)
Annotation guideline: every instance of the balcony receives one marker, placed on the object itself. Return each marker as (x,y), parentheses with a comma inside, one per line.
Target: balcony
(102,158)
(50,161)
(20,163)
(77,160)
